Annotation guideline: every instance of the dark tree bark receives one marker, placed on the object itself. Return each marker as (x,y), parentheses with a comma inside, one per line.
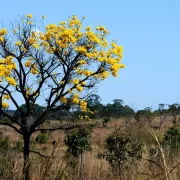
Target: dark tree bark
(26,151)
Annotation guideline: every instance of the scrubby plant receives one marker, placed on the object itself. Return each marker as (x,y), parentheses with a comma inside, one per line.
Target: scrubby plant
(121,149)
(19,146)
(5,144)
(172,138)
(41,138)
(105,121)
(78,141)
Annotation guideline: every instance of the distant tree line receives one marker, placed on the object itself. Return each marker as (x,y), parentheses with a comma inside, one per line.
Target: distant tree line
(98,110)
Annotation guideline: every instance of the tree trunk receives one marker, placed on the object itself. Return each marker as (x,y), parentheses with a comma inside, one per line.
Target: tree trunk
(26,151)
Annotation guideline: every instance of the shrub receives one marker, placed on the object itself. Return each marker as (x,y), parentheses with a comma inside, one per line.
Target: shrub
(41,138)
(19,146)
(105,121)
(78,141)
(6,120)
(121,149)
(4,144)
(172,138)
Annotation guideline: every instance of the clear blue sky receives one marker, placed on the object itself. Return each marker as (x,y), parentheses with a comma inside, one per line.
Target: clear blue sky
(149,30)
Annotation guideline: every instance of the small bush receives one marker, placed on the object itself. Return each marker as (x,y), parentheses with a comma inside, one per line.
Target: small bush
(4,144)
(6,120)
(19,146)
(172,138)
(105,121)
(78,141)
(41,138)
(121,151)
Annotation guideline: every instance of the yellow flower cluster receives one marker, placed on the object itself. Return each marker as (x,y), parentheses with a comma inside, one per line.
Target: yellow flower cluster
(79,88)
(1,39)
(18,43)
(87,72)
(75,81)
(11,81)
(82,62)
(28,63)
(5,105)
(83,105)
(34,69)
(28,93)
(88,51)
(3,32)
(60,37)
(29,16)
(36,46)
(63,99)
(75,99)
(6,96)
(6,67)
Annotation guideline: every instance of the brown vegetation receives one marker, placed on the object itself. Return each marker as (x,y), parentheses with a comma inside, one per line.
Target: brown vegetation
(57,164)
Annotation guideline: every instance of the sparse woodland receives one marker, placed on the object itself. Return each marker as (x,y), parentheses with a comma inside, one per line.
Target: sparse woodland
(62,131)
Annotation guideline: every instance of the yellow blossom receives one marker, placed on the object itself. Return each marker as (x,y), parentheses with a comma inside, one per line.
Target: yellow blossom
(61,82)
(29,16)
(83,105)
(36,46)
(27,93)
(18,43)
(75,99)
(7,96)
(63,99)
(3,32)
(1,39)
(82,62)
(5,105)
(30,22)
(75,81)
(79,88)
(28,63)
(11,81)
(83,83)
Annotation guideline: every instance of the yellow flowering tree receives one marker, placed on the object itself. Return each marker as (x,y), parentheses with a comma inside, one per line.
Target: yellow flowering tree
(58,64)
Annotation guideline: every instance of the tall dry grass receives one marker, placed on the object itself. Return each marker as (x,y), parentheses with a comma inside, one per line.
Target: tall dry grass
(157,162)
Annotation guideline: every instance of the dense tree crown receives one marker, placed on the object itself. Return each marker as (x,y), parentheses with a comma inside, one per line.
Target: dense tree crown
(59,64)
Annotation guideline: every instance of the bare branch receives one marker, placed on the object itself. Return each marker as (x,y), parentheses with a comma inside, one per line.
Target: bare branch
(12,126)
(38,153)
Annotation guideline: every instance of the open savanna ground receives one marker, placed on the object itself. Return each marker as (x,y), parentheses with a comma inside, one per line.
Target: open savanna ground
(50,160)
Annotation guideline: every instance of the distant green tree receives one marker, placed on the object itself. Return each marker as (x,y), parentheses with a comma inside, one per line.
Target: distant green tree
(174,110)
(94,104)
(117,109)
(35,108)
(144,116)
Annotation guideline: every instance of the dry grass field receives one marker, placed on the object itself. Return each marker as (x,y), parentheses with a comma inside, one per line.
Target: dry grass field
(61,165)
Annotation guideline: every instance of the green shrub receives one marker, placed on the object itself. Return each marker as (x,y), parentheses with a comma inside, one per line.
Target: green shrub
(78,141)
(172,138)
(5,144)
(121,151)
(6,120)
(105,121)
(19,146)
(41,138)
